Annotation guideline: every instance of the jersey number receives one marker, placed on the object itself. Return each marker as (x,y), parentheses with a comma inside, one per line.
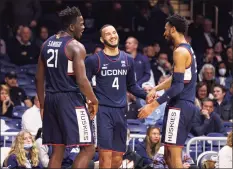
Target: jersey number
(54,53)
(115,83)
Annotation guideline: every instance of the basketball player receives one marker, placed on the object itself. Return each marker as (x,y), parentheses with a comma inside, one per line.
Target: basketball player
(180,93)
(114,71)
(66,121)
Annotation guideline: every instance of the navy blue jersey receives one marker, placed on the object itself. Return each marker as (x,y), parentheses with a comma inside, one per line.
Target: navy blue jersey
(59,67)
(113,78)
(190,78)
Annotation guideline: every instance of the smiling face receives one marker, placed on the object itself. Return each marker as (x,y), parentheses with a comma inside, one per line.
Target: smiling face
(109,37)
(168,33)
(78,27)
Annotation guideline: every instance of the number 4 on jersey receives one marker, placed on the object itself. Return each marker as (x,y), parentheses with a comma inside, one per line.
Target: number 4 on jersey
(115,83)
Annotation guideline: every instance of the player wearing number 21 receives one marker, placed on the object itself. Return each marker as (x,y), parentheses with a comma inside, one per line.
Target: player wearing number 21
(114,71)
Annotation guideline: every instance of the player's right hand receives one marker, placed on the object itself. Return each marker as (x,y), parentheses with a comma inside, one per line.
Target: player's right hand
(93,109)
(151,96)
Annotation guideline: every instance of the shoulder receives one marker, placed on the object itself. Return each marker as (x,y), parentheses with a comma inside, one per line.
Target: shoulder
(127,56)
(74,44)
(181,51)
(92,59)
(12,157)
(143,57)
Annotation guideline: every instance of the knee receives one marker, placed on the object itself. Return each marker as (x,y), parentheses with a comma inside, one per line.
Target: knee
(90,149)
(116,162)
(105,157)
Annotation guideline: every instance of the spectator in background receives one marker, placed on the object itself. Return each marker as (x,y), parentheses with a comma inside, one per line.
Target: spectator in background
(2,47)
(150,146)
(6,105)
(218,51)
(221,106)
(23,153)
(19,98)
(206,120)
(161,67)
(31,119)
(222,75)
(141,63)
(44,34)
(206,39)
(207,75)
(23,51)
(209,57)
(45,152)
(25,12)
(201,93)
(225,154)
(229,60)
(195,29)
(98,48)
(229,94)
(158,113)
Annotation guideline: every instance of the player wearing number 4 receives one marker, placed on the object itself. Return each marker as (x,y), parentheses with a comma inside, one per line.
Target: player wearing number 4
(66,122)
(114,71)
(180,93)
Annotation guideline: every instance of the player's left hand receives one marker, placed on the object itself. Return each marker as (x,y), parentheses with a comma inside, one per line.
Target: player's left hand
(146,110)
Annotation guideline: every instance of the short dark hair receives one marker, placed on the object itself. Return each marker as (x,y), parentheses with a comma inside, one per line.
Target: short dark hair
(207,100)
(221,87)
(106,25)
(69,15)
(179,22)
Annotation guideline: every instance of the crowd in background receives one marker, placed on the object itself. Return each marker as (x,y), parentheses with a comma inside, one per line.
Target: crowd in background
(26,24)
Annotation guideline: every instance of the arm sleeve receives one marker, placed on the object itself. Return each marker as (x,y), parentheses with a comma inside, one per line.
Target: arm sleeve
(92,66)
(176,88)
(146,74)
(132,86)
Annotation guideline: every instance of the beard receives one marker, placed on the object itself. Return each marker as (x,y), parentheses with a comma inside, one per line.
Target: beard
(110,45)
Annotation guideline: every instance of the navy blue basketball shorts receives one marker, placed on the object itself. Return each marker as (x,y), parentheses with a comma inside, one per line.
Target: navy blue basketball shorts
(111,129)
(66,120)
(177,122)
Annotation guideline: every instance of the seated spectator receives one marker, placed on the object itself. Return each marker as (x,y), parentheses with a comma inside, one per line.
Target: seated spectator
(207,75)
(43,36)
(222,76)
(23,51)
(142,65)
(31,119)
(2,47)
(23,153)
(158,113)
(229,94)
(150,146)
(17,94)
(45,152)
(201,93)
(206,120)
(225,154)
(229,60)
(6,105)
(221,106)
(131,157)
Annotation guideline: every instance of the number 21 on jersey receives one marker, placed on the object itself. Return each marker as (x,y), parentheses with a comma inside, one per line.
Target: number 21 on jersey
(115,83)
(52,60)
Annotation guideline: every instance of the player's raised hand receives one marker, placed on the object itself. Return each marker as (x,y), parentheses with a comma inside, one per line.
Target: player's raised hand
(146,110)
